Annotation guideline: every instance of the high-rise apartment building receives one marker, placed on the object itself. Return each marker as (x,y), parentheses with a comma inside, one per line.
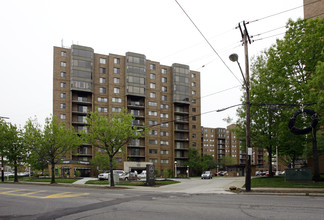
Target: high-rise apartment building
(165,98)
(313,8)
(224,146)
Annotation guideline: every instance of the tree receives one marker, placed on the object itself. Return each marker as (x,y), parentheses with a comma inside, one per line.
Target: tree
(285,74)
(37,153)
(111,133)
(101,161)
(198,163)
(55,140)
(15,150)
(3,144)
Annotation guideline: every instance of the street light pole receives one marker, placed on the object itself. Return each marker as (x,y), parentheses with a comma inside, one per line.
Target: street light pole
(234,58)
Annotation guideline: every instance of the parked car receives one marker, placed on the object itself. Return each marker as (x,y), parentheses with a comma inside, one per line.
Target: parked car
(142,174)
(206,175)
(104,176)
(129,176)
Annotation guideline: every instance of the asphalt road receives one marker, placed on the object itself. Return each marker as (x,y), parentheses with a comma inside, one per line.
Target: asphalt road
(21,201)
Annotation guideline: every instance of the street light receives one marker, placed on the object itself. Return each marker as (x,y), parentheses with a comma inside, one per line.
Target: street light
(234,58)
(175,169)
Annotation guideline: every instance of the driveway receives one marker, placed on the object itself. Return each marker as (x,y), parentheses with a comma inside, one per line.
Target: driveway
(218,185)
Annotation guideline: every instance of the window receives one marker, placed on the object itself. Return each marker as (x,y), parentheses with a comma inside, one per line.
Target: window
(164,161)
(164,143)
(193,92)
(152,85)
(116,100)
(102,90)
(153,113)
(63,64)
(152,95)
(193,84)
(194,101)
(102,70)
(116,70)
(116,60)
(193,135)
(152,66)
(153,151)
(164,133)
(193,126)
(164,152)
(194,144)
(164,89)
(63,95)
(116,109)
(164,115)
(116,90)
(193,75)
(63,85)
(102,80)
(116,80)
(152,103)
(101,99)
(63,53)
(102,60)
(153,132)
(164,98)
(153,160)
(63,74)
(163,106)
(63,105)
(152,76)
(152,122)
(151,141)
(165,124)
(63,116)
(164,79)
(193,109)
(163,71)
(194,118)
(100,109)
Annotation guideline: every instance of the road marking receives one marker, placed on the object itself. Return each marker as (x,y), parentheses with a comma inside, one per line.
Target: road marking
(32,194)
(64,195)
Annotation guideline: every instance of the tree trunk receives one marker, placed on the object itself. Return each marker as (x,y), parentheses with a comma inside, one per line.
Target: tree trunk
(315,157)
(112,182)
(270,161)
(2,169)
(16,172)
(53,172)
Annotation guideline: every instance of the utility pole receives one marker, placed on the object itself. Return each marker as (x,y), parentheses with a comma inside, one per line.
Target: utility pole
(246,39)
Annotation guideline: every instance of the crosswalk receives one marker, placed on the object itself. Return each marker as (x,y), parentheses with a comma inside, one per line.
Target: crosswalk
(40,194)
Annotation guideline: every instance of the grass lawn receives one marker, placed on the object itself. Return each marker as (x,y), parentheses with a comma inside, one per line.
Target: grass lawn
(131,183)
(279,182)
(47,180)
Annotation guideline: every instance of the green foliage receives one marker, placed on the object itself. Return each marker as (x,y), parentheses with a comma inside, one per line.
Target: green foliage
(13,148)
(279,182)
(54,141)
(198,163)
(290,72)
(101,161)
(111,133)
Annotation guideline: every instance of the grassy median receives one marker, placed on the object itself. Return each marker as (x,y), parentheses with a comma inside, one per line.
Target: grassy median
(132,183)
(279,182)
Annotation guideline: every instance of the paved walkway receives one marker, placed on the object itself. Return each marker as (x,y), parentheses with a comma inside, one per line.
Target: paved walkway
(84,180)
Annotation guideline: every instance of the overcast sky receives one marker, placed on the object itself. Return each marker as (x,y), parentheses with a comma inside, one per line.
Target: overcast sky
(157,28)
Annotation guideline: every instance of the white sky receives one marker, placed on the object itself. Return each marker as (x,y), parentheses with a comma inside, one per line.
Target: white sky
(157,28)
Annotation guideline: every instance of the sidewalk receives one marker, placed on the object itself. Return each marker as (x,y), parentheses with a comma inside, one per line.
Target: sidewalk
(285,191)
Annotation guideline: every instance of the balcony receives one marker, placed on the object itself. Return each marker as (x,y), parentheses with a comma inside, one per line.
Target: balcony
(82,100)
(136,155)
(181,120)
(135,105)
(181,148)
(135,145)
(180,138)
(181,111)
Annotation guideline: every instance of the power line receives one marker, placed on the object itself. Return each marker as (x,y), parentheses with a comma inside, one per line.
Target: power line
(268,37)
(249,22)
(207,40)
(224,90)
(268,31)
